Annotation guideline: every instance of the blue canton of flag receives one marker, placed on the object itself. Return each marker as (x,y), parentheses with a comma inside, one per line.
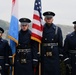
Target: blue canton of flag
(38,7)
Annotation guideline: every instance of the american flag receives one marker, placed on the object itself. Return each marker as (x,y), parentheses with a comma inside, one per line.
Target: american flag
(37,24)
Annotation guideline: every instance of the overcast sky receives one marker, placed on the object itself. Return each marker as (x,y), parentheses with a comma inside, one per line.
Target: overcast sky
(65,10)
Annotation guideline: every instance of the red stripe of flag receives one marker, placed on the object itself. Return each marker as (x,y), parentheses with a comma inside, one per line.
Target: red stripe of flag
(35,26)
(36,17)
(36,36)
(13,1)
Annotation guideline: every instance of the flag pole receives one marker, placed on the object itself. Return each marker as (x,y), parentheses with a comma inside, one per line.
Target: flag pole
(13,64)
(40,58)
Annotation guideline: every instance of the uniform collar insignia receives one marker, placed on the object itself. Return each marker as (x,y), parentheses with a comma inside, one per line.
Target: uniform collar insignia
(71,34)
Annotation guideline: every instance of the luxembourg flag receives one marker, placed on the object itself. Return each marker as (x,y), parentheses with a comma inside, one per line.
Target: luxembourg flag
(13,29)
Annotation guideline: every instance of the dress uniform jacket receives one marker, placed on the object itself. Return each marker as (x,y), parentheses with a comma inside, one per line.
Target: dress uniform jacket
(51,48)
(70,50)
(24,54)
(5,53)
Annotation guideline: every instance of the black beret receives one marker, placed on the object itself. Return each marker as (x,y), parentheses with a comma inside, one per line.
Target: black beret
(24,20)
(1,30)
(49,14)
(74,22)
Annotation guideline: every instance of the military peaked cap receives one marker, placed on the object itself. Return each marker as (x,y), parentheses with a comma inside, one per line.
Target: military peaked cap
(49,14)
(74,22)
(24,21)
(1,30)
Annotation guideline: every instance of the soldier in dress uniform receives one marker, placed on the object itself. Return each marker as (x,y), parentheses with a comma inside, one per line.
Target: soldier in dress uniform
(25,58)
(5,53)
(52,42)
(70,51)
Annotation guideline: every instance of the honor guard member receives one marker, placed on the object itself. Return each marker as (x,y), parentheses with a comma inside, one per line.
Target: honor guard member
(5,52)
(51,46)
(70,51)
(25,52)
